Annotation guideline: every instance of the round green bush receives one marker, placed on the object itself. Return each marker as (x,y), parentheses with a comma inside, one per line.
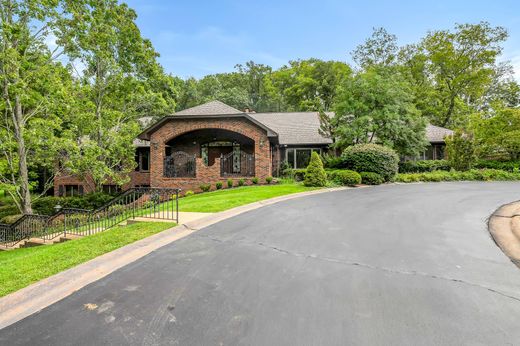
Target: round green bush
(371,158)
(345,177)
(189,193)
(218,185)
(230,183)
(254,180)
(371,178)
(315,174)
(269,180)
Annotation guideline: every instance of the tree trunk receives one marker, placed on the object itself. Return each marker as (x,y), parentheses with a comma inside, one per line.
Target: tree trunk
(25,193)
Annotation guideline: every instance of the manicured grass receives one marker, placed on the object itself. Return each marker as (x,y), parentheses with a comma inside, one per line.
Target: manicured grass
(220,200)
(22,267)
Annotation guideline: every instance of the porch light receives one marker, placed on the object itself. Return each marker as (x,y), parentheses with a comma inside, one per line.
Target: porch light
(57,207)
(155,145)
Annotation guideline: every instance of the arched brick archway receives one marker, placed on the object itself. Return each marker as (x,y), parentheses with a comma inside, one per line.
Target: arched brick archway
(177,131)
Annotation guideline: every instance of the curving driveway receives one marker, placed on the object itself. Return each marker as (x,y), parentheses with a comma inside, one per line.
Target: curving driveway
(390,265)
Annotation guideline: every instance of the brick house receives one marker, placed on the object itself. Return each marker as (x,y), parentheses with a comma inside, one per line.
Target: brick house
(215,142)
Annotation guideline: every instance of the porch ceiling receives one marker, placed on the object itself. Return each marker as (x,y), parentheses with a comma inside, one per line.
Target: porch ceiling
(211,135)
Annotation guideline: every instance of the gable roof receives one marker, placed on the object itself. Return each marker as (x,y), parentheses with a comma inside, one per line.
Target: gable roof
(436,134)
(294,128)
(291,128)
(210,108)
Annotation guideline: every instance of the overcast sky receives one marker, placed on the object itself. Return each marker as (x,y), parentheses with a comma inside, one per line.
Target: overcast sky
(196,38)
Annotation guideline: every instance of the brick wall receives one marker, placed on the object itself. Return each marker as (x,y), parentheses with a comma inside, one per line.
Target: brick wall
(204,174)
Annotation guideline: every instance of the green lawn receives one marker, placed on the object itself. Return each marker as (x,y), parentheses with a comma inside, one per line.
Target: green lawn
(22,267)
(216,201)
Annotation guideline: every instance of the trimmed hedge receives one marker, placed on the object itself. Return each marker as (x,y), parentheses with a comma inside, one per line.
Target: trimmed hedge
(423,166)
(315,174)
(470,175)
(509,166)
(46,205)
(344,177)
(371,178)
(371,158)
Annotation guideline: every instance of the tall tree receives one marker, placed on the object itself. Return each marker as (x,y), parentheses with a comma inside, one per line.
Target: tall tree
(377,106)
(380,49)
(121,81)
(34,93)
(310,85)
(461,65)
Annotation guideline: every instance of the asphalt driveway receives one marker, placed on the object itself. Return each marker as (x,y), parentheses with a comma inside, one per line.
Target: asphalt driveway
(390,265)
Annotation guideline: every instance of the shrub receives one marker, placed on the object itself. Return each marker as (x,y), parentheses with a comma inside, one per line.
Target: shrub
(345,177)
(218,185)
(254,180)
(298,174)
(331,161)
(269,180)
(509,166)
(189,193)
(46,205)
(423,166)
(230,183)
(371,158)
(461,151)
(472,174)
(241,182)
(285,169)
(371,178)
(205,187)
(315,174)
(11,218)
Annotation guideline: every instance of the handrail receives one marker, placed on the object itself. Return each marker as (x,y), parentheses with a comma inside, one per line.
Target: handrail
(134,202)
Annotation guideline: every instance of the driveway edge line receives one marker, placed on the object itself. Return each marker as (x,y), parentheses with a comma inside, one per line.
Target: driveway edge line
(35,297)
(504,227)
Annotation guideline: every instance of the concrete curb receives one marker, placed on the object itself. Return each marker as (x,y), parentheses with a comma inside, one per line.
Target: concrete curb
(504,227)
(41,294)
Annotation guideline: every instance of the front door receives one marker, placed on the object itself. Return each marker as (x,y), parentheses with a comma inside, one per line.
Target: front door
(214,152)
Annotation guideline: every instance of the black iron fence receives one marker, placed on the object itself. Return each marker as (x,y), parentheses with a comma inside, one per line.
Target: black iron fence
(179,165)
(152,203)
(237,164)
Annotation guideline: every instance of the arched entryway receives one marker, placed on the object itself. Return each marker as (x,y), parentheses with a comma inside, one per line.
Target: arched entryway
(235,151)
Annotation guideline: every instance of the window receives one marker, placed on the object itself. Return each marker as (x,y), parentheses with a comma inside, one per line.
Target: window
(111,189)
(142,158)
(71,190)
(300,157)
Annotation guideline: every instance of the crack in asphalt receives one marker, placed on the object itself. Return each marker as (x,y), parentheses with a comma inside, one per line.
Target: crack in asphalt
(363,265)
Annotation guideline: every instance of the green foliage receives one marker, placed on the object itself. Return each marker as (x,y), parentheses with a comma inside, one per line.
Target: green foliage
(461,151)
(331,161)
(458,69)
(315,174)
(470,175)
(377,106)
(254,180)
(344,177)
(230,183)
(371,158)
(189,193)
(10,218)
(268,180)
(298,174)
(205,187)
(509,166)
(46,205)
(371,178)
(241,182)
(218,185)
(499,133)
(424,166)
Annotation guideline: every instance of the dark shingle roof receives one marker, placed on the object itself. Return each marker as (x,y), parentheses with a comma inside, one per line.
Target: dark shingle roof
(436,134)
(294,128)
(210,108)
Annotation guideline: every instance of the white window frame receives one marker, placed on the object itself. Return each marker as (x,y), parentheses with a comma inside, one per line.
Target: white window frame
(318,150)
